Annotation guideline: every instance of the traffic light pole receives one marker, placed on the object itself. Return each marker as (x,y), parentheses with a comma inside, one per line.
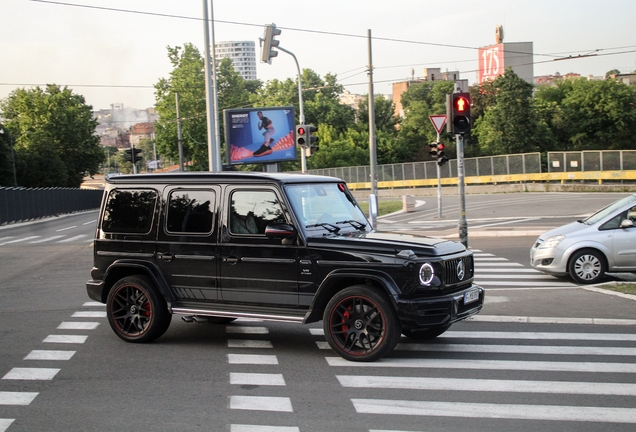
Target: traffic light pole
(463,224)
(439,186)
(301,116)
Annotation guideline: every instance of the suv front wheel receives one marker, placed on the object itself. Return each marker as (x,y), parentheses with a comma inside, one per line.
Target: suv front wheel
(360,324)
(135,311)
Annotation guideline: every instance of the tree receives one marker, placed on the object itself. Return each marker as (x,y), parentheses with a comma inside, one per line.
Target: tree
(54,136)
(591,115)
(511,124)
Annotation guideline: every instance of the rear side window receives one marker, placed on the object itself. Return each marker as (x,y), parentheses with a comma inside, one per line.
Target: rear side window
(129,211)
(190,211)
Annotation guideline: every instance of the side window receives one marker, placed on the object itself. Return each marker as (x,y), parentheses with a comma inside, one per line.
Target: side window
(252,211)
(129,211)
(190,211)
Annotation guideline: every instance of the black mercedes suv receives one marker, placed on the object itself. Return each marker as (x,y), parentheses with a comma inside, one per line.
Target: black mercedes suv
(281,247)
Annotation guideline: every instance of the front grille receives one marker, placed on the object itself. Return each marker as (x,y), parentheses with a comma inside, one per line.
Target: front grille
(450,270)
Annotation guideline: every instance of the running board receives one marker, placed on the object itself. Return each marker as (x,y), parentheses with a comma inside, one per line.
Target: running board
(227,314)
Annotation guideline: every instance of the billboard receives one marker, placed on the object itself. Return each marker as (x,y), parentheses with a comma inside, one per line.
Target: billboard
(491,63)
(260,135)
(494,59)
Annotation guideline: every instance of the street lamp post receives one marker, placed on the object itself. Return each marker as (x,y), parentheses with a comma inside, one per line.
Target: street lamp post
(11,143)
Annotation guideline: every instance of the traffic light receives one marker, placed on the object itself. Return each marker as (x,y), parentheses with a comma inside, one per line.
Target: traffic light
(441,158)
(268,42)
(458,113)
(301,135)
(433,150)
(311,139)
(133,155)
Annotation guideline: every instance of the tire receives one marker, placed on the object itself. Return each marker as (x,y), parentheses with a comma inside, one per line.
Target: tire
(136,312)
(360,324)
(587,266)
(425,334)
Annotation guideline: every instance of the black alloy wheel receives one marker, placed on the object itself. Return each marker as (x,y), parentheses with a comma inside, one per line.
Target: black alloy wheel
(135,311)
(360,324)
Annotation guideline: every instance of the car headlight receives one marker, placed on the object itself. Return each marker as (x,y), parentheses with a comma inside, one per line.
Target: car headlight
(426,274)
(552,242)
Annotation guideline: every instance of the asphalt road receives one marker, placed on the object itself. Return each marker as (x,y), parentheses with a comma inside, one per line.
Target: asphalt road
(544,354)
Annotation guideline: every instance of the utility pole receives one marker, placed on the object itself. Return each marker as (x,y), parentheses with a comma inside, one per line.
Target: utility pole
(179,134)
(208,92)
(373,198)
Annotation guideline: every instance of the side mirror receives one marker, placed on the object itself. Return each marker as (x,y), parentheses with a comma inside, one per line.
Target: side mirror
(280,231)
(627,223)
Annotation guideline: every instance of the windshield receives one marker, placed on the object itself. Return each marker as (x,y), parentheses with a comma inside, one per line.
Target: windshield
(609,210)
(326,207)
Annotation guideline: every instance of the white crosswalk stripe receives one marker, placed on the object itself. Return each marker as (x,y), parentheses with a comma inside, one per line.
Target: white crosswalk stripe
(497,380)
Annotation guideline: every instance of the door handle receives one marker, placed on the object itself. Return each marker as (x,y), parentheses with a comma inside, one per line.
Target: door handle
(231,260)
(165,257)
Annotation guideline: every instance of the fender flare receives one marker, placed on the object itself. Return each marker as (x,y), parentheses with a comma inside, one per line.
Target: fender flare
(127,267)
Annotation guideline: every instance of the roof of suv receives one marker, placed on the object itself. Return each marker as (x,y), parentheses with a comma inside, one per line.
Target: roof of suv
(209,177)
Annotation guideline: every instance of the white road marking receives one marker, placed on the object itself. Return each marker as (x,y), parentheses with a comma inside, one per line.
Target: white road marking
(256,379)
(261,403)
(540,335)
(238,343)
(487,385)
(19,240)
(67,228)
(70,239)
(93,304)
(76,325)
(47,239)
(247,330)
(50,355)
(33,374)
(591,367)
(252,359)
(16,398)
(89,314)
(5,423)
(67,339)
(258,428)
(91,222)
(519,349)
(504,411)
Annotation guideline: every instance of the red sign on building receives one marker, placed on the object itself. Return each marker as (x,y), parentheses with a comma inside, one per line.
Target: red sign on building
(491,62)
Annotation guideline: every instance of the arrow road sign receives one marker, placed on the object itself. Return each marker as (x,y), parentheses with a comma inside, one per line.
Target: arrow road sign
(438,122)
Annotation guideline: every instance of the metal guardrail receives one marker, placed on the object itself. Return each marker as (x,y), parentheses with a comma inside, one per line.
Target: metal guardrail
(24,204)
(589,165)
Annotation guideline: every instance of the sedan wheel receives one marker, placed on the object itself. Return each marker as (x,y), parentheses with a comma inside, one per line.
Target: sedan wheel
(587,266)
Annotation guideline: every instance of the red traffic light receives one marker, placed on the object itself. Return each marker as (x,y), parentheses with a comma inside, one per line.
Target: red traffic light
(301,131)
(461,104)
(440,146)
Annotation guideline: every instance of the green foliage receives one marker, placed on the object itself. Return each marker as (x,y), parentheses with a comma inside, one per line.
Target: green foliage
(53,134)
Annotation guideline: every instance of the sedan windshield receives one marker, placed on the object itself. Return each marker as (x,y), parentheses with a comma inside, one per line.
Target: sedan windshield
(609,210)
(326,207)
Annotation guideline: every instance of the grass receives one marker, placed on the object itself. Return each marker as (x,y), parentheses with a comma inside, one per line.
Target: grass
(625,288)
(384,207)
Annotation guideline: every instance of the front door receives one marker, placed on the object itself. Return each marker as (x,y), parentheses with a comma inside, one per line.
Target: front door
(624,240)
(187,246)
(253,268)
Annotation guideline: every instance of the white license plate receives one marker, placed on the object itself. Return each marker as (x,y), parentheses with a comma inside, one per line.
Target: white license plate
(471,296)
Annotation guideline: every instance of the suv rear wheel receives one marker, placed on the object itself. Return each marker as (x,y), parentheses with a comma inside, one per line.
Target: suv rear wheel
(135,311)
(360,324)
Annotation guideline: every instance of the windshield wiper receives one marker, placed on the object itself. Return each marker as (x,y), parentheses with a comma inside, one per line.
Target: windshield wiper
(354,223)
(329,227)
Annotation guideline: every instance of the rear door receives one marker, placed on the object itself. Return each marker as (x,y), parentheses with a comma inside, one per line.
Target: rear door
(187,245)
(254,269)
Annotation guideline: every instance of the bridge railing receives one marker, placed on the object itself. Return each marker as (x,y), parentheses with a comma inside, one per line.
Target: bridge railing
(24,204)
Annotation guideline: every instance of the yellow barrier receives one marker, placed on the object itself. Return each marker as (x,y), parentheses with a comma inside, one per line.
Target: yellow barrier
(512,178)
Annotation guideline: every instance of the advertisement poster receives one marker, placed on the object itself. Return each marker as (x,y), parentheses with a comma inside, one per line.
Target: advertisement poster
(260,135)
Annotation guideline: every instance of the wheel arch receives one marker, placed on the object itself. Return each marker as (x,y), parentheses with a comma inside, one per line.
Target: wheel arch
(340,279)
(122,268)
(587,247)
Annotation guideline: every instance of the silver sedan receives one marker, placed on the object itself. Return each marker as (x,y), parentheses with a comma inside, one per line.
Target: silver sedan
(587,249)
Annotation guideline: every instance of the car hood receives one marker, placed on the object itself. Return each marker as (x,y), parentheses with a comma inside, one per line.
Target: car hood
(570,228)
(389,243)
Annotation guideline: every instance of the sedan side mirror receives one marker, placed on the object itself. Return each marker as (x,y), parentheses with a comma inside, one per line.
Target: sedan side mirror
(627,223)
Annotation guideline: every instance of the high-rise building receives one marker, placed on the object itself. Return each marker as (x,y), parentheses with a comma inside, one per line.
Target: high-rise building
(242,54)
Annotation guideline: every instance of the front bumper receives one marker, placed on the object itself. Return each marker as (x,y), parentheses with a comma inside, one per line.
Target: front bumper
(95,290)
(438,311)
(548,260)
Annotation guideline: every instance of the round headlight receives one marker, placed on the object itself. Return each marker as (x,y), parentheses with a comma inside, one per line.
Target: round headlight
(426,274)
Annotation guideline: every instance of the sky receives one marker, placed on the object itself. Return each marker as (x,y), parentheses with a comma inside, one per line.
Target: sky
(114,51)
